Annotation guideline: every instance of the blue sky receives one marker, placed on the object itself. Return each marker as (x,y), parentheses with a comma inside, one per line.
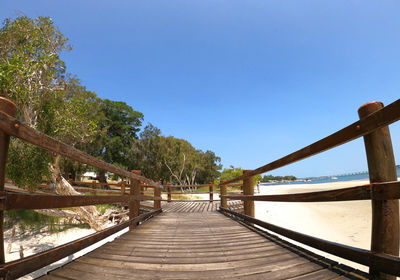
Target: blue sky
(250,80)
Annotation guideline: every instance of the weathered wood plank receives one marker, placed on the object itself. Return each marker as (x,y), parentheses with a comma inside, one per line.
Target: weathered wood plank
(13,127)
(382,262)
(376,191)
(26,265)
(17,201)
(387,115)
(195,245)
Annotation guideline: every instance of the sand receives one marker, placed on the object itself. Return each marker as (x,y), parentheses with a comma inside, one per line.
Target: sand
(40,241)
(347,223)
(343,222)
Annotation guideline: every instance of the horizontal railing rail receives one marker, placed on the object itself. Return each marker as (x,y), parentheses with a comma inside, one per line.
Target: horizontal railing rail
(376,191)
(383,191)
(29,264)
(387,115)
(11,126)
(382,262)
(17,199)
(192,190)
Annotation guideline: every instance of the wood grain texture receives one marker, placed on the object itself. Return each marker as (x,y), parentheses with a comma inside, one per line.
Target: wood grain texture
(192,245)
(9,109)
(13,127)
(381,118)
(19,201)
(381,262)
(376,191)
(28,264)
(381,168)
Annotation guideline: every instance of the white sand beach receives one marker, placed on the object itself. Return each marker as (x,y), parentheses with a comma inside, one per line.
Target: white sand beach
(36,242)
(343,222)
(347,223)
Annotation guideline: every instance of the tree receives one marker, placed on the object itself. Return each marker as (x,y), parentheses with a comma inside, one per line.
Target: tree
(269,178)
(233,172)
(209,167)
(147,154)
(173,160)
(119,124)
(32,75)
(31,71)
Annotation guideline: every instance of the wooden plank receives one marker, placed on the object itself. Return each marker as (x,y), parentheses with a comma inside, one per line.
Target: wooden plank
(194,245)
(8,108)
(381,168)
(382,262)
(387,115)
(376,191)
(95,184)
(188,258)
(26,265)
(85,189)
(18,201)
(13,127)
(318,275)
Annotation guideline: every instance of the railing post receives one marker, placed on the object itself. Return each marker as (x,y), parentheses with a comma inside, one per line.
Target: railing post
(248,189)
(382,168)
(157,193)
(123,192)
(222,191)
(211,189)
(169,193)
(134,204)
(8,107)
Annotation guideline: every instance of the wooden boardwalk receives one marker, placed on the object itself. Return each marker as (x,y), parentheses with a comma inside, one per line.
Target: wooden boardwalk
(199,244)
(198,206)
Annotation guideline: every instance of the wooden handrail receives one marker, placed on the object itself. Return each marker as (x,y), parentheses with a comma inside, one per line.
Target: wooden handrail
(383,191)
(382,262)
(387,115)
(18,201)
(200,186)
(376,191)
(29,264)
(13,127)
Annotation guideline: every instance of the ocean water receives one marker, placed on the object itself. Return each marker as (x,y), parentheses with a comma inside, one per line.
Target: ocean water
(332,178)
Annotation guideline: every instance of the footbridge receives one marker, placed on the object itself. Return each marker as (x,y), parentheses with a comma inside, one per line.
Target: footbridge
(217,237)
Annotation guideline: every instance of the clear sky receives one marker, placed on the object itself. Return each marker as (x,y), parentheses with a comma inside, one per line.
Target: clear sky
(250,80)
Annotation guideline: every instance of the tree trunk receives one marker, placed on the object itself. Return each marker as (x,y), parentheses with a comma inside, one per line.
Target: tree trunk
(102,178)
(87,214)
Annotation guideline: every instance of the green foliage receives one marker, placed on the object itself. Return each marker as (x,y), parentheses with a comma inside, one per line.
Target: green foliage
(31,70)
(233,172)
(119,125)
(32,75)
(48,99)
(230,173)
(269,178)
(102,208)
(172,160)
(28,220)
(27,164)
(257,178)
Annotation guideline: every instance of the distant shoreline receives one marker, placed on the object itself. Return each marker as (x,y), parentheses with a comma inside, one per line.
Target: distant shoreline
(363,175)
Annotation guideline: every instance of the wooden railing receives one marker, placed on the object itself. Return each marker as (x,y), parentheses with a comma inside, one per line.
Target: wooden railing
(9,126)
(383,191)
(192,190)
